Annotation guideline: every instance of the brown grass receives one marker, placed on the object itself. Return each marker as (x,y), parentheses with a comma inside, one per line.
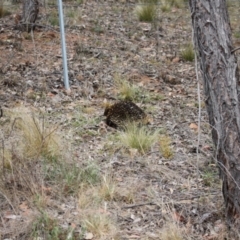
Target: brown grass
(100,224)
(3,11)
(138,137)
(165,146)
(38,137)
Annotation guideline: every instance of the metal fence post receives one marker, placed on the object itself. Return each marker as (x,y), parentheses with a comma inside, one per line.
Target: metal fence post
(64,52)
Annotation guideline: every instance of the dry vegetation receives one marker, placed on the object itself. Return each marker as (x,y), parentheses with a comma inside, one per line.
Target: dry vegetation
(63,173)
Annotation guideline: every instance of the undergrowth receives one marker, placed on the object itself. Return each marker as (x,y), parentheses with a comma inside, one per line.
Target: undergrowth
(54,19)
(3,11)
(129,91)
(46,227)
(100,225)
(38,137)
(138,137)
(165,146)
(69,177)
(188,53)
(146,11)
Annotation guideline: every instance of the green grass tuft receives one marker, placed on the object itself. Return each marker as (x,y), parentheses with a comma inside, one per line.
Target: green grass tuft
(54,19)
(127,91)
(237,34)
(146,11)
(138,137)
(70,177)
(46,227)
(130,91)
(210,176)
(3,11)
(188,53)
(166,6)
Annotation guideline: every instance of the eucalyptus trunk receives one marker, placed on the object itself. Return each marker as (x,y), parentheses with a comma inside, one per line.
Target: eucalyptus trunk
(29,14)
(218,63)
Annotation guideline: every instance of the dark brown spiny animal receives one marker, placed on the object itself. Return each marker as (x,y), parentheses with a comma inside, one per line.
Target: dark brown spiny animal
(120,113)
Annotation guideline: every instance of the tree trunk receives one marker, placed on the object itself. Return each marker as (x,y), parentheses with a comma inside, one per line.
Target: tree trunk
(212,37)
(29,14)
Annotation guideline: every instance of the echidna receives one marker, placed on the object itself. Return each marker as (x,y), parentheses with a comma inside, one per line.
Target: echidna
(120,113)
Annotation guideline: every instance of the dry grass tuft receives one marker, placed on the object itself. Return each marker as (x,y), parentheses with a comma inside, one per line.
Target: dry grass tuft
(166,6)
(165,146)
(179,3)
(3,11)
(100,225)
(96,218)
(7,159)
(129,91)
(24,141)
(126,194)
(54,19)
(88,110)
(87,197)
(126,90)
(188,53)
(38,138)
(171,231)
(146,11)
(138,137)
(20,175)
(107,189)
(93,195)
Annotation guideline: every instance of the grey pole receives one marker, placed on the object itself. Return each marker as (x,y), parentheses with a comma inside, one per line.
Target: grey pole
(64,54)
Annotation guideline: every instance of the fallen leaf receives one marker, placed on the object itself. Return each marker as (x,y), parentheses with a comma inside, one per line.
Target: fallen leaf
(206,147)
(178,217)
(133,152)
(193,126)
(176,59)
(23,206)
(47,190)
(88,236)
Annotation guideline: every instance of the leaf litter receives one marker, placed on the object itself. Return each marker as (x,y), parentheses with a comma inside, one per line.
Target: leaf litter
(154,195)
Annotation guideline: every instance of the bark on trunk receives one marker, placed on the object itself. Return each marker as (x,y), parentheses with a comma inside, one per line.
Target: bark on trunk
(212,36)
(29,14)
